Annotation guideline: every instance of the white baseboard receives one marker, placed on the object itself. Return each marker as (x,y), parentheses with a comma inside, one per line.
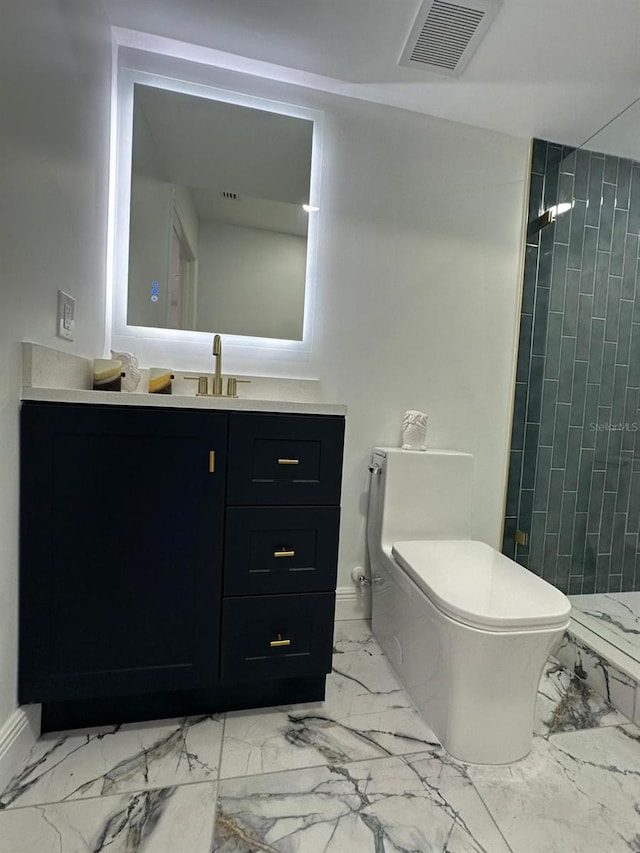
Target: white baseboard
(352,603)
(17,738)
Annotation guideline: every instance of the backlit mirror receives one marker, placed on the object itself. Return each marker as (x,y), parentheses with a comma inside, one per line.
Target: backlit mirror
(217,228)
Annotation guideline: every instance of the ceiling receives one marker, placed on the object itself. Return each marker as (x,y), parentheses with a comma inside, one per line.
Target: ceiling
(556,69)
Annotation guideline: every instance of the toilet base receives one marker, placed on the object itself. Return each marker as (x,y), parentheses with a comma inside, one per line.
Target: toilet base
(476,689)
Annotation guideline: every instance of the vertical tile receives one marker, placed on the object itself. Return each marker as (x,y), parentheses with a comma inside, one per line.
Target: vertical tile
(509,538)
(634,357)
(576,418)
(572,467)
(540,321)
(623,183)
(519,414)
(539,156)
(543,476)
(554,511)
(536,378)
(570,324)
(554,340)
(595,503)
(617,543)
(594,190)
(550,557)
(562,572)
(565,194)
(588,268)
(545,258)
(618,242)
(575,585)
(560,436)
(624,332)
(606,522)
(581,179)
(612,469)
(536,189)
(536,542)
(548,417)
(585,307)
(567,358)
(624,483)
(590,563)
(594,373)
(633,226)
(613,309)
(607,374)
(513,482)
(579,542)
(590,415)
(558,276)
(567,523)
(576,234)
(603,426)
(524,348)
(630,419)
(619,400)
(584,480)
(610,169)
(529,280)
(629,267)
(602,572)
(633,515)
(606,218)
(629,561)
(601,286)
(615,583)
(532,432)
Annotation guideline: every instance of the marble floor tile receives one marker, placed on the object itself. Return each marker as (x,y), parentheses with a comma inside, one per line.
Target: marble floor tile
(615,615)
(354,635)
(164,820)
(577,792)
(138,756)
(422,803)
(366,714)
(566,703)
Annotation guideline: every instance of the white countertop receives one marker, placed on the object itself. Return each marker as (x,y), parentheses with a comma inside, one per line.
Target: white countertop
(180,401)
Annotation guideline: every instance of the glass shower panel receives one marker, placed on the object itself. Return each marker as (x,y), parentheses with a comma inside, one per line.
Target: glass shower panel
(573,497)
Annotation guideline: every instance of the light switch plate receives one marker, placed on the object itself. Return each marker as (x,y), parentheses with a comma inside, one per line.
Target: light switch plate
(66,316)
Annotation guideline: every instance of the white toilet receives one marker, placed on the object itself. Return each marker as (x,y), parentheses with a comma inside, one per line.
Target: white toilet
(467,630)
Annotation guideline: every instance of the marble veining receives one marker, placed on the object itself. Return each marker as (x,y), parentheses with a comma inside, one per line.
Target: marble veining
(359,773)
(387,806)
(615,615)
(117,759)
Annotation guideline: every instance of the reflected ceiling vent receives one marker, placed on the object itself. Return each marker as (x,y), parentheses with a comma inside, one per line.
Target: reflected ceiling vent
(445,35)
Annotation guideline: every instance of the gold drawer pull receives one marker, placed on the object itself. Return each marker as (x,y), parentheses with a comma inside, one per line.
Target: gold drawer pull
(279,642)
(284,553)
(288,461)
(212,461)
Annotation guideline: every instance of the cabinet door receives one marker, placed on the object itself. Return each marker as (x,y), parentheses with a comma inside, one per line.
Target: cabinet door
(121,550)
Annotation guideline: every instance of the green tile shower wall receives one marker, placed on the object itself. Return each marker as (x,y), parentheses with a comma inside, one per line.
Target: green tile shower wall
(574,477)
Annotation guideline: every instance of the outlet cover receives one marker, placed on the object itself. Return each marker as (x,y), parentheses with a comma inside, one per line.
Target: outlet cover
(66,316)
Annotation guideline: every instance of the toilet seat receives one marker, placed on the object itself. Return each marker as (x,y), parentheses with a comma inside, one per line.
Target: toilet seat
(474,584)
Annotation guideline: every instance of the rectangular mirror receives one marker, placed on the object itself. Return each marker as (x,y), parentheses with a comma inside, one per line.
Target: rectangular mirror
(217,228)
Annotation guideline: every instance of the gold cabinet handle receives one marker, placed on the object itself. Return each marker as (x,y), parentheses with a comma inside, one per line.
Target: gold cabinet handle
(212,461)
(284,553)
(288,461)
(279,642)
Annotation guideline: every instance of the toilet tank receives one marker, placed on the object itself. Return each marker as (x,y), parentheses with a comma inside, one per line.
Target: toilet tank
(425,494)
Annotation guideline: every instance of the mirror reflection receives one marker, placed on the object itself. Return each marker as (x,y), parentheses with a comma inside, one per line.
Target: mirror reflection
(218,233)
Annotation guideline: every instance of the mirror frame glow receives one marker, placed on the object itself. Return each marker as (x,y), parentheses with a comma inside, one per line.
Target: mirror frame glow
(160,346)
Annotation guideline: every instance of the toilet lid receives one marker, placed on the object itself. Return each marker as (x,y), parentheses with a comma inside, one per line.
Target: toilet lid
(474,584)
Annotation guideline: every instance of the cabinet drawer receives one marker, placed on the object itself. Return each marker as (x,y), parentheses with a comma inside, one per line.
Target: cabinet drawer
(285,459)
(280,549)
(277,636)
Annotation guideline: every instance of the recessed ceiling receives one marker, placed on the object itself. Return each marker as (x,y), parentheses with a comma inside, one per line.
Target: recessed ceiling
(556,69)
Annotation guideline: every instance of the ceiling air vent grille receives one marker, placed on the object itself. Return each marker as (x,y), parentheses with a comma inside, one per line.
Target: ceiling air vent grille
(445,35)
(231,196)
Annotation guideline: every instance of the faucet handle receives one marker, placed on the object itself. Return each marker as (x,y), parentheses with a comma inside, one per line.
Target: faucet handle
(232,385)
(203,385)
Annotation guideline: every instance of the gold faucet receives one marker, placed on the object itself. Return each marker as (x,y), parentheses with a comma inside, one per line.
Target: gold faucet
(216,391)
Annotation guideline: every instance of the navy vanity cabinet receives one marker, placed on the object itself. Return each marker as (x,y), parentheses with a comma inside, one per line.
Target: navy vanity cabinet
(122,524)
(281,547)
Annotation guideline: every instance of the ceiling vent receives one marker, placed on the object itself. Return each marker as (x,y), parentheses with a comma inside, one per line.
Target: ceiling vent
(445,34)
(228,195)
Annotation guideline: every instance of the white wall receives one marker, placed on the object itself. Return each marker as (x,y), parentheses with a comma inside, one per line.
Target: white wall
(250,281)
(419,272)
(54,103)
